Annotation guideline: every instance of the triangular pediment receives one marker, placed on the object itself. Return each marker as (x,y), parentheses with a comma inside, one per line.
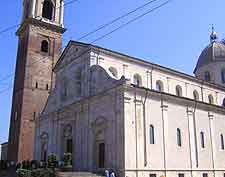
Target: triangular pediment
(72,51)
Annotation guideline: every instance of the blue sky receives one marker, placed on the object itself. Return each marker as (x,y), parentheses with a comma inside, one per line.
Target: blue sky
(172,36)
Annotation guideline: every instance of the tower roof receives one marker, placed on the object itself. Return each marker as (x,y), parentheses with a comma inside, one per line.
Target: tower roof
(215,51)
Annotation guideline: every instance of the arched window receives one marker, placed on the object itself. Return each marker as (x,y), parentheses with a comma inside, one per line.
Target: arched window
(223,104)
(222,141)
(210,98)
(223,75)
(47,87)
(195,95)
(159,86)
(152,134)
(178,137)
(64,88)
(36,85)
(47,11)
(113,71)
(202,136)
(178,90)
(137,80)
(207,76)
(44,46)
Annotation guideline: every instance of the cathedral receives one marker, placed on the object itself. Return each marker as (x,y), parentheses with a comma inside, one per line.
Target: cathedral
(111,110)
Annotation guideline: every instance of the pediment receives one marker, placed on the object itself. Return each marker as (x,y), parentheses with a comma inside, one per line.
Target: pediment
(73,51)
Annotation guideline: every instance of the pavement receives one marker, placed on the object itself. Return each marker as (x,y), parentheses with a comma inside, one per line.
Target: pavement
(10,173)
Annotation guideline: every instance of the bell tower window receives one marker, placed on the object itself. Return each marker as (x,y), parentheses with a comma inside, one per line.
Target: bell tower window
(47,11)
(44,46)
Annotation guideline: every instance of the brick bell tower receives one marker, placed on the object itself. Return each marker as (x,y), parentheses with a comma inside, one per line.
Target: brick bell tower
(39,47)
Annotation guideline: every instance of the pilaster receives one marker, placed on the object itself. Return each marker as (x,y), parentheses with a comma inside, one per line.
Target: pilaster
(165,129)
(192,137)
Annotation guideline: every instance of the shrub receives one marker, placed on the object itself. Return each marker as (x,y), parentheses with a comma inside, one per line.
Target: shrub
(18,166)
(67,159)
(35,173)
(23,173)
(52,161)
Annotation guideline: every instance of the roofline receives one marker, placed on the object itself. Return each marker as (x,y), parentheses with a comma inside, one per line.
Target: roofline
(163,68)
(66,48)
(142,61)
(6,143)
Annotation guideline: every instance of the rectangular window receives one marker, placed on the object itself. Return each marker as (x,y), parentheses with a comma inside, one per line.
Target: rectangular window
(205,175)
(79,81)
(181,175)
(152,175)
(202,139)
(16,115)
(178,137)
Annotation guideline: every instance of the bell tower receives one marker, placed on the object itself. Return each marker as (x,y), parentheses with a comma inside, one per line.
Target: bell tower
(39,47)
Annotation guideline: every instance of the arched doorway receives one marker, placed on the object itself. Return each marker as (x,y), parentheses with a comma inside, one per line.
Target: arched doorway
(44,147)
(99,143)
(68,140)
(100,150)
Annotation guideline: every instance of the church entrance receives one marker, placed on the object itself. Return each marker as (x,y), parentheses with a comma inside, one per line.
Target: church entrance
(69,146)
(101,155)
(44,152)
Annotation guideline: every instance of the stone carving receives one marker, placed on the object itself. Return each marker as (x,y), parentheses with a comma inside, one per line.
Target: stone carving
(44,137)
(67,131)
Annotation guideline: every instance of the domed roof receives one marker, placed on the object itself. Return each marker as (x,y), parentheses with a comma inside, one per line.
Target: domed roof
(215,51)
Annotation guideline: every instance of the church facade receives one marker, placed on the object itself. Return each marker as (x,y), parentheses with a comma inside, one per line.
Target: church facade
(114,111)
(111,110)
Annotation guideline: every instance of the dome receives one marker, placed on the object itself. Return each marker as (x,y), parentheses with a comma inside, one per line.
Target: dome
(215,51)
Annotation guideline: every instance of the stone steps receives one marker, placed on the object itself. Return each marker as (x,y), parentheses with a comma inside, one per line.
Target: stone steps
(77,174)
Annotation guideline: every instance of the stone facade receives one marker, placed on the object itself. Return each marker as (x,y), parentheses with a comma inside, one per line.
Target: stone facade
(135,117)
(38,50)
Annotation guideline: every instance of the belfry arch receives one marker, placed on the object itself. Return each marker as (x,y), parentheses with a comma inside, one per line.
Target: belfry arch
(48,9)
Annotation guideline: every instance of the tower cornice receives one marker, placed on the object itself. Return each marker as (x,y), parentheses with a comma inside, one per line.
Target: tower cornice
(42,23)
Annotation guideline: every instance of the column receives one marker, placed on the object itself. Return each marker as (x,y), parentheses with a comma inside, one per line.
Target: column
(125,71)
(61,12)
(33,9)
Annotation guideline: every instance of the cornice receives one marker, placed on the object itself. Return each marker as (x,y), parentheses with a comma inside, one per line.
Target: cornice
(166,96)
(41,23)
(156,66)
